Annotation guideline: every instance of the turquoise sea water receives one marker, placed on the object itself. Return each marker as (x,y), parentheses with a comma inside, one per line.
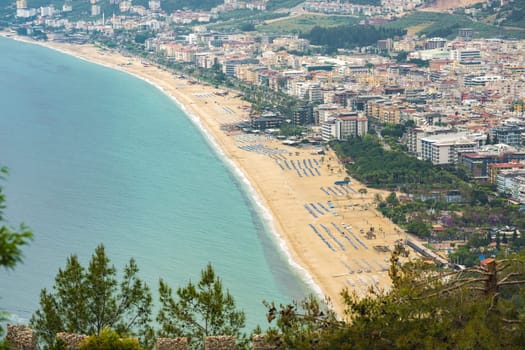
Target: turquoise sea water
(98,156)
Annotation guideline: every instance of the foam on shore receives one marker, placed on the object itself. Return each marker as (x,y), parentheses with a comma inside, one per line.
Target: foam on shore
(263,211)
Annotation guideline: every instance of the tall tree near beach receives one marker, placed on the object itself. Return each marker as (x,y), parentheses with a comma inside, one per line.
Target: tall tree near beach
(11,240)
(87,300)
(200,310)
(426,308)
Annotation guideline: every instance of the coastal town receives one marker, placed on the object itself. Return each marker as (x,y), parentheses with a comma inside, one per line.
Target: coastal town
(281,104)
(465,100)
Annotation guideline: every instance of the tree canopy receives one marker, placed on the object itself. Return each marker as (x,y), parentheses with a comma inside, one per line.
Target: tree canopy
(426,308)
(87,300)
(350,36)
(11,240)
(378,167)
(199,310)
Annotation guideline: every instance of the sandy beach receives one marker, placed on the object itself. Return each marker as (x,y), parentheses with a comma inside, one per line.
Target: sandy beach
(326,227)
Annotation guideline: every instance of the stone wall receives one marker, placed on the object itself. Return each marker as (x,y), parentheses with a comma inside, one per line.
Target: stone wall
(20,337)
(72,341)
(219,343)
(172,343)
(23,338)
(259,342)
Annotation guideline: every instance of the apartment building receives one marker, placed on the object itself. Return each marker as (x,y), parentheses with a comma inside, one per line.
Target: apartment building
(512,183)
(443,149)
(344,126)
(498,168)
(509,135)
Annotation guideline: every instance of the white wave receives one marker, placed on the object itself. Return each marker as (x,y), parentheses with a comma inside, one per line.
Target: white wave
(263,211)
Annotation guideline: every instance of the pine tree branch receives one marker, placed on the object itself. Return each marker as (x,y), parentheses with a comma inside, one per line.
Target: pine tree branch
(512,321)
(451,288)
(493,301)
(510,283)
(512,274)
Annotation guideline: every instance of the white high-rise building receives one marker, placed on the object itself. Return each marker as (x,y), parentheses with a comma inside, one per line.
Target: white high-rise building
(154,5)
(22,11)
(95,10)
(47,11)
(125,6)
(21,4)
(444,148)
(344,126)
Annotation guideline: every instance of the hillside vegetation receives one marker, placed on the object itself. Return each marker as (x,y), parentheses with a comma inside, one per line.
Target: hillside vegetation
(350,36)
(305,23)
(447,25)
(515,14)
(280,4)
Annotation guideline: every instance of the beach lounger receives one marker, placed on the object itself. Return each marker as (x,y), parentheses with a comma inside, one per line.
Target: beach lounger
(322,238)
(333,237)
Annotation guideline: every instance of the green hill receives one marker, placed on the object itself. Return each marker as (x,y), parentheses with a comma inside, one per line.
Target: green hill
(446,25)
(513,14)
(280,4)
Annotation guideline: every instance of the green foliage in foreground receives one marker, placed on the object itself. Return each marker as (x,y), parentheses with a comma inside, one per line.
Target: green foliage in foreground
(11,242)
(200,310)
(425,308)
(109,340)
(87,300)
(478,308)
(91,301)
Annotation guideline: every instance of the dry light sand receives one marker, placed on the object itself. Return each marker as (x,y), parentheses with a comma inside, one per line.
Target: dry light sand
(282,190)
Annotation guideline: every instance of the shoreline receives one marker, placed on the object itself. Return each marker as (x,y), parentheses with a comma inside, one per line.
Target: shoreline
(279,196)
(251,192)
(236,170)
